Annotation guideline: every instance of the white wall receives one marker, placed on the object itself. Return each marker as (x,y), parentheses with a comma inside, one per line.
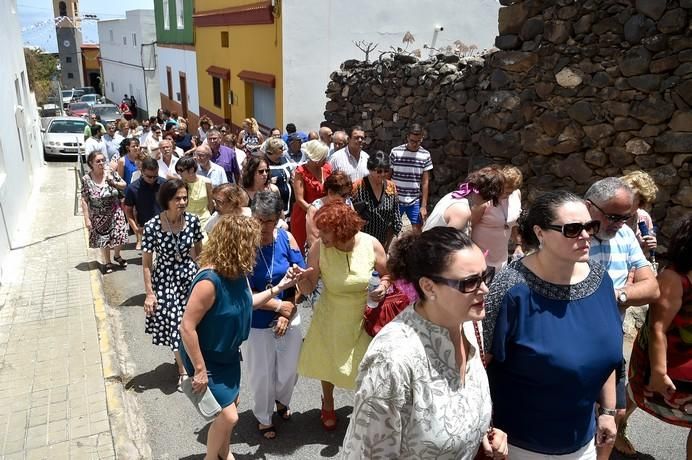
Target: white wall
(20,135)
(122,62)
(318,36)
(179,61)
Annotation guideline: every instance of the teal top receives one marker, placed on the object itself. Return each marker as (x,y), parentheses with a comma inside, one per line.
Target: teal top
(227,323)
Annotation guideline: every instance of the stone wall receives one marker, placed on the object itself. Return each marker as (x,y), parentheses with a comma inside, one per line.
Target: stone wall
(578,90)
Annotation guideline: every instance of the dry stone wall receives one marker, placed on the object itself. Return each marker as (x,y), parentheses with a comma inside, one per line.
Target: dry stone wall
(577,91)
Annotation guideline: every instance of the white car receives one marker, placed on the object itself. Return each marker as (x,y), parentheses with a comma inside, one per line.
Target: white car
(90,99)
(64,136)
(67,95)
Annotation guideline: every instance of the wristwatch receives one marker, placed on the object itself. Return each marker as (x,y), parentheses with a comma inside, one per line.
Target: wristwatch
(603,411)
(621,297)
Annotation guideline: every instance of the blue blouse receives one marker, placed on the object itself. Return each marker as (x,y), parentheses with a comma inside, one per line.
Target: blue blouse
(280,256)
(554,347)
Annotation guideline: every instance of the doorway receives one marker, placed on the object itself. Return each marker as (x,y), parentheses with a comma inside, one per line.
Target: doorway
(183,94)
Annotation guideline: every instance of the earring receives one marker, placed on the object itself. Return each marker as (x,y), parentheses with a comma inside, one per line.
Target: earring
(540,244)
(433,296)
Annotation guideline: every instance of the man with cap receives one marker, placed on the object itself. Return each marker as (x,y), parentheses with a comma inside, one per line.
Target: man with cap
(295,154)
(291,129)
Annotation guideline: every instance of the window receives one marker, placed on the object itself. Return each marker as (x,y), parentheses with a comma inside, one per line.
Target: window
(124,40)
(74,8)
(134,39)
(224,39)
(264,105)
(216,85)
(112,88)
(62,7)
(169,79)
(180,14)
(17,92)
(68,59)
(110,35)
(166,16)
(70,75)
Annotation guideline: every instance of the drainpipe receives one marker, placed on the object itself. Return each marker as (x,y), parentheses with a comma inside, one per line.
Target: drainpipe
(145,70)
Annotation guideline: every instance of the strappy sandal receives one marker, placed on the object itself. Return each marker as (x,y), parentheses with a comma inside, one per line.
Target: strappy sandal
(622,436)
(328,416)
(283,411)
(122,262)
(108,268)
(268,432)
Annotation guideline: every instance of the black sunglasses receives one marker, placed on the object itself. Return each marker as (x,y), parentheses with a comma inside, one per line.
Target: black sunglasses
(613,217)
(574,229)
(470,284)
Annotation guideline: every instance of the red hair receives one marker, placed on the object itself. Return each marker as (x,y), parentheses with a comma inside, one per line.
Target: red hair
(340,219)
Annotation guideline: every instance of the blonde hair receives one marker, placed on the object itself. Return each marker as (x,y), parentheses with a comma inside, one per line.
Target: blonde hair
(643,185)
(232,246)
(274,144)
(513,177)
(254,126)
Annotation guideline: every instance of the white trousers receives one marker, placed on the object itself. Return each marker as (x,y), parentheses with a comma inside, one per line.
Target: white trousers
(588,452)
(272,364)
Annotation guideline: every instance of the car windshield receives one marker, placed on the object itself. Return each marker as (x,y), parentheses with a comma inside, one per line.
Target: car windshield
(67,93)
(67,126)
(79,106)
(106,111)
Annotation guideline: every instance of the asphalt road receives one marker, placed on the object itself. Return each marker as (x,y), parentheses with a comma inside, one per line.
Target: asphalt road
(174,430)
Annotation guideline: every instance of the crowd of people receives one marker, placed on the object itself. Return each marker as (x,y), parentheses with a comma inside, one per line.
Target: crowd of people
(512,342)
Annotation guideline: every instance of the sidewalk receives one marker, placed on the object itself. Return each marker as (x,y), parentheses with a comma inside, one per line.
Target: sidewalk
(53,401)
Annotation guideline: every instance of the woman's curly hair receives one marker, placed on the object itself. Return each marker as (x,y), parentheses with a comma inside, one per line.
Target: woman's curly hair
(643,185)
(340,219)
(232,246)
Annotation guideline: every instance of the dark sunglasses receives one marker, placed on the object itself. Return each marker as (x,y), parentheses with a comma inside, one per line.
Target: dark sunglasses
(380,171)
(574,229)
(613,217)
(470,284)
(147,176)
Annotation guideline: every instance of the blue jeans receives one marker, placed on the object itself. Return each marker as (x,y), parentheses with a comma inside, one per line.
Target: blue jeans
(412,211)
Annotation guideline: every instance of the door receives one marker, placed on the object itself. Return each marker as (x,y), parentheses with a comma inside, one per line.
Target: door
(227,101)
(183,94)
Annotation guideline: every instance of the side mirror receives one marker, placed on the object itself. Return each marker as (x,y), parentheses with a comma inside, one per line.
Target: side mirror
(43,130)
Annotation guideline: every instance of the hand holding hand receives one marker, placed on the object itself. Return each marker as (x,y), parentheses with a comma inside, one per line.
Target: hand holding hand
(292,277)
(287,309)
(200,381)
(281,326)
(497,448)
(150,304)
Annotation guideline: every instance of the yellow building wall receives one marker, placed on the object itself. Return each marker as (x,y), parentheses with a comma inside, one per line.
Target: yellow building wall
(255,48)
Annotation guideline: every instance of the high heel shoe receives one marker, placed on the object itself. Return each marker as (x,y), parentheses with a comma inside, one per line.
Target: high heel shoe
(328,416)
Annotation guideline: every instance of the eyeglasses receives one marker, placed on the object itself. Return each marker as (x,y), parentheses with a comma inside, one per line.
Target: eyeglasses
(613,217)
(470,284)
(100,161)
(359,138)
(573,230)
(380,171)
(262,171)
(150,177)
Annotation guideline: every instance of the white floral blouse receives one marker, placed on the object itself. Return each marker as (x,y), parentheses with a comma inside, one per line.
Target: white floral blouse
(411,402)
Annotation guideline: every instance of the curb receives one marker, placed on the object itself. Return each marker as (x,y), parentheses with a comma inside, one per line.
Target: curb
(113,379)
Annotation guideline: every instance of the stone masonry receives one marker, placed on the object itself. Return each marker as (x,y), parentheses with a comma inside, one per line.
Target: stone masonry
(577,91)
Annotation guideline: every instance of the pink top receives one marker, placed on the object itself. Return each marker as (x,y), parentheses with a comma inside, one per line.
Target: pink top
(493,231)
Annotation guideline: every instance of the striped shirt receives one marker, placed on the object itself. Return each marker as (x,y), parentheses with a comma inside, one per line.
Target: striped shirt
(342,160)
(619,255)
(407,171)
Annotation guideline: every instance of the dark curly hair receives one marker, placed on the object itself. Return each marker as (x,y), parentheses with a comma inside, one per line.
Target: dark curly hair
(680,246)
(542,213)
(415,255)
(489,181)
(339,218)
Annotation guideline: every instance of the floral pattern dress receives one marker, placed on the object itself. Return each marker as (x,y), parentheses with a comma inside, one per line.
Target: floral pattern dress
(108,224)
(411,402)
(171,276)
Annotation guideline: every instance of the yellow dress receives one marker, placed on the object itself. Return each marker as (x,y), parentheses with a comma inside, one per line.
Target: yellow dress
(197,200)
(336,342)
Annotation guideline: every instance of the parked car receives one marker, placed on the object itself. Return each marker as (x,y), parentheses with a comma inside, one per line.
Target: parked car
(78,109)
(90,99)
(67,96)
(51,110)
(64,136)
(87,89)
(107,112)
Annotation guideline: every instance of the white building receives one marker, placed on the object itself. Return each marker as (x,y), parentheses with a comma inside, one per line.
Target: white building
(20,135)
(313,49)
(178,80)
(128,59)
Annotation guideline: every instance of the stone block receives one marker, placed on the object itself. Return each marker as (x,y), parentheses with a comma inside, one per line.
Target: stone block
(599,131)
(646,83)
(673,21)
(626,124)
(681,121)
(653,110)
(515,61)
(637,147)
(651,8)
(531,28)
(665,64)
(672,142)
(635,61)
(557,31)
(581,112)
(568,78)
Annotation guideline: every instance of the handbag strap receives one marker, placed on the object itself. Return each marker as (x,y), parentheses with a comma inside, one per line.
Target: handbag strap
(477,331)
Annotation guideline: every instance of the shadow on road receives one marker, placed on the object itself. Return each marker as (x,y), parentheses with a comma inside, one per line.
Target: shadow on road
(640,456)
(134,301)
(164,378)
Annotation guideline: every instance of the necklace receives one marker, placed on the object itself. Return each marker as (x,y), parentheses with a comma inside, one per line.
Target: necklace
(270,268)
(178,256)
(505,212)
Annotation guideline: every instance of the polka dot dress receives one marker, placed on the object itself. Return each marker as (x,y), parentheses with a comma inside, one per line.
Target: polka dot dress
(171,277)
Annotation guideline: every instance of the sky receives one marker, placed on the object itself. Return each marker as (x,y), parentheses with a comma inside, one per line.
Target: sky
(38,26)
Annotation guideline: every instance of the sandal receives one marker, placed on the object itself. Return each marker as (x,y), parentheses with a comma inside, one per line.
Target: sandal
(109,268)
(283,411)
(122,262)
(268,432)
(328,416)
(622,437)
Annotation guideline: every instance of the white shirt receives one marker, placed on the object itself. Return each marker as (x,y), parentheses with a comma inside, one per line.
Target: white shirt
(342,160)
(165,169)
(215,174)
(410,402)
(437,216)
(92,144)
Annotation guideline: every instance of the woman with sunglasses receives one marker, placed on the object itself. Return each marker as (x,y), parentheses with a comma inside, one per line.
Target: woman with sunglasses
(554,334)
(422,390)
(376,200)
(256,177)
